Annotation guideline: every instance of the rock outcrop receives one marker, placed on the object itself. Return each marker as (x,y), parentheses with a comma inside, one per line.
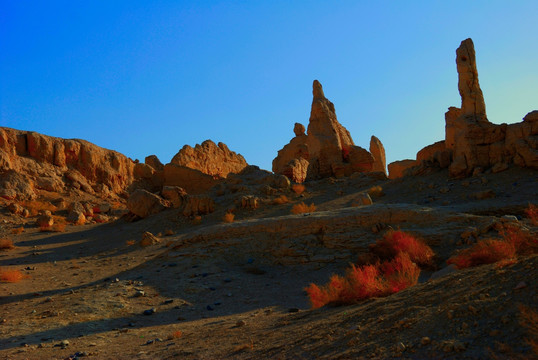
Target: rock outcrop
(51,163)
(472,144)
(327,148)
(473,140)
(378,152)
(214,160)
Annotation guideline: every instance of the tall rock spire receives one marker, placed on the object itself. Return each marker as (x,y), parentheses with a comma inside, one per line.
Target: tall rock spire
(472,99)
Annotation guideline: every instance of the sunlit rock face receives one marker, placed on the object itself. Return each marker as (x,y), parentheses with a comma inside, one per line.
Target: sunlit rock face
(326,149)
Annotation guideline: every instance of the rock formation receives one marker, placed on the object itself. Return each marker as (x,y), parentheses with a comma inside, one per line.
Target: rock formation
(326,150)
(51,163)
(215,160)
(472,144)
(378,152)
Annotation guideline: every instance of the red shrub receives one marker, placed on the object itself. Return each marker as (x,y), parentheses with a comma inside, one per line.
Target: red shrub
(12,276)
(302,208)
(483,252)
(298,188)
(394,242)
(6,244)
(364,282)
(514,242)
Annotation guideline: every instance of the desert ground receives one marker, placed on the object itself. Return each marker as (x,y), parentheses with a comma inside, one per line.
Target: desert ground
(236,290)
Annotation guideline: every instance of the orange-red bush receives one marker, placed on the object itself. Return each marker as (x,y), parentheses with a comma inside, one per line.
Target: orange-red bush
(364,282)
(282,199)
(394,242)
(18,230)
(6,244)
(11,276)
(483,252)
(298,188)
(228,217)
(514,242)
(302,208)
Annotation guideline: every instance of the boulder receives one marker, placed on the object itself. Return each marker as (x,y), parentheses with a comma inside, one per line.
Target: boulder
(149,239)
(175,195)
(211,159)
(143,203)
(45,221)
(76,217)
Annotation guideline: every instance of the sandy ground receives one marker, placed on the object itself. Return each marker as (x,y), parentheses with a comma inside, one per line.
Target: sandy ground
(216,290)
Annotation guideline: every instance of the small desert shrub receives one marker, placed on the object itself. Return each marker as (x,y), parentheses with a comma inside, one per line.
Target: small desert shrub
(375,191)
(302,208)
(298,188)
(197,220)
(36,206)
(11,276)
(6,244)
(532,213)
(483,252)
(394,242)
(514,242)
(228,217)
(17,231)
(130,242)
(360,283)
(168,232)
(175,335)
(282,199)
(56,227)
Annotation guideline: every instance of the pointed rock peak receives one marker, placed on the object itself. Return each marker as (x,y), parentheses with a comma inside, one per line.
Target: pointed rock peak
(472,99)
(317,90)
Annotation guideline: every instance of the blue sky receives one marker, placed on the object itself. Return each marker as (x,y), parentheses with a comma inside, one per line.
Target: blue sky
(147,77)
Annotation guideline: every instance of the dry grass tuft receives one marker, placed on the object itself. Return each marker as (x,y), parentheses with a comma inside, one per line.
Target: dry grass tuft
(298,188)
(17,231)
(228,217)
(11,276)
(302,208)
(6,244)
(282,199)
(360,283)
(395,242)
(197,220)
(514,242)
(130,242)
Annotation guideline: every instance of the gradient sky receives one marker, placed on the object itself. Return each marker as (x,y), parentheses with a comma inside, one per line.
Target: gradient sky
(147,77)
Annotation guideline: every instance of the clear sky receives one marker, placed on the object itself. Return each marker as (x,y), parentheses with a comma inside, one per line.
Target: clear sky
(147,77)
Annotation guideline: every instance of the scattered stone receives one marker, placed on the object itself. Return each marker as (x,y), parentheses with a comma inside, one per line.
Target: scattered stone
(293,310)
(521,285)
(486,194)
(149,239)
(444,271)
(150,311)
(240,323)
(425,340)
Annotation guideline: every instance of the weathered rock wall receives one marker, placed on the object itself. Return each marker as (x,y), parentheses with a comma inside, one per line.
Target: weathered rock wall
(51,160)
